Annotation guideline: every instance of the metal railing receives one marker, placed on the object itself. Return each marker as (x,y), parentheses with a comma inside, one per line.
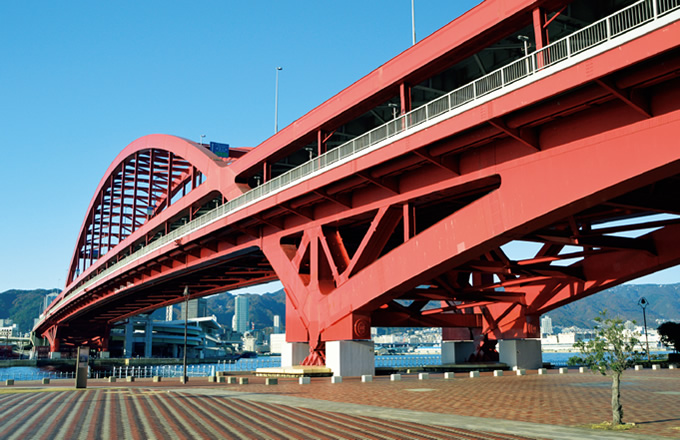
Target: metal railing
(597,33)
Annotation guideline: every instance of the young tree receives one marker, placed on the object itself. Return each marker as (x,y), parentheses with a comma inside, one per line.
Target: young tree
(670,335)
(610,352)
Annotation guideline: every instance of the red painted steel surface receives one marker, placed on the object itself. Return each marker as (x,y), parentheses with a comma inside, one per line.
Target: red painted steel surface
(372,241)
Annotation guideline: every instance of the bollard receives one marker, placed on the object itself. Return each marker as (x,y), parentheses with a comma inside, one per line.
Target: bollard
(564,370)
(395,377)
(232,380)
(156,378)
(521,372)
(112,379)
(542,371)
(305,380)
(423,376)
(273,381)
(243,381)
(367,378)
(184,379)
(9,382)
(474,373)
(336,379)
(212,378)
(672,367)
(130,378)
(221,379)
(656,367)
(638,367)
(449,375)
(582,369)
(45,380)
(498,373)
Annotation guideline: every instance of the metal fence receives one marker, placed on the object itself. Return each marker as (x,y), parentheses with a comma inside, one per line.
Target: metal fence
(597,33)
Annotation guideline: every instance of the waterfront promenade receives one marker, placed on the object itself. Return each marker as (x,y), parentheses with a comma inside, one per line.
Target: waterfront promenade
(551,406)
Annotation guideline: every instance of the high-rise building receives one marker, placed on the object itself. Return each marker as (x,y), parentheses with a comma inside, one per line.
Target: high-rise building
(48,300)
(169,316)
(546,325)
(241,309)
(198,308)
(277,324)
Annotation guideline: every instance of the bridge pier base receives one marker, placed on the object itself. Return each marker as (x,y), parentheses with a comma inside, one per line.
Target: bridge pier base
(350,358)
(457,352)
(293,353)
(521,353)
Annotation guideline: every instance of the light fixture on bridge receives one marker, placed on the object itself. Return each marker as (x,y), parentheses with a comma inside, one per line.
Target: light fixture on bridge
(202,136)
(149,211)
(524,39)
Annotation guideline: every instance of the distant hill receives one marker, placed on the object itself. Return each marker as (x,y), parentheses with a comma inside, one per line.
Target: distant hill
(262,308)
(22,306)
(621,301)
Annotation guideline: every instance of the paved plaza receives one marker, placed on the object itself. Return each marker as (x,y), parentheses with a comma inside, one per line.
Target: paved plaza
(551,406)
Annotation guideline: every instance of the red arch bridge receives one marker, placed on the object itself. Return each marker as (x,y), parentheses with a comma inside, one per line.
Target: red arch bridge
(548,123)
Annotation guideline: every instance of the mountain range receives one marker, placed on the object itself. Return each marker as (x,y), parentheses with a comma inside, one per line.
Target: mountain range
(621,301)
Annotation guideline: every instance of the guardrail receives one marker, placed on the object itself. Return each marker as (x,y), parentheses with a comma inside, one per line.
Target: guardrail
(601,31)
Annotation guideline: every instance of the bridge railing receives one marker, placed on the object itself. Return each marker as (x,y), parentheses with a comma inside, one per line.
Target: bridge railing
(593,35)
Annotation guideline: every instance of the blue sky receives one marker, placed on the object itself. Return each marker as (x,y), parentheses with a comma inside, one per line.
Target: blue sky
(79,80)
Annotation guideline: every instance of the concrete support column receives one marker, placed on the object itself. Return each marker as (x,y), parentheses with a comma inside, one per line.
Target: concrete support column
(293,353)
(148,338)
(521,353)
(350,358)
(129,339)
(457,352)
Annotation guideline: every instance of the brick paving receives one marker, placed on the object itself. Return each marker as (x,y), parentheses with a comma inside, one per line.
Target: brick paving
(467,408)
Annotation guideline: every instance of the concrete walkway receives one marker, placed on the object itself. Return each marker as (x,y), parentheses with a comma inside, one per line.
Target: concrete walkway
(509,407)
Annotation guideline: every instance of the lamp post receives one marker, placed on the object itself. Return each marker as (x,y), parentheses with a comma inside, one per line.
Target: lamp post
(276,101)
(524,39)
(186,315)
(643,303)
(413,20)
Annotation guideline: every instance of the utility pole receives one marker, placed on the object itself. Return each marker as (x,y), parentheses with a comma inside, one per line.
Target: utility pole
(413,20)
(276,101)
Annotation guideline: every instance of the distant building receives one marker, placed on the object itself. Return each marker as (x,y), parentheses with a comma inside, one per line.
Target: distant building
(198,308)
(276,342)
(241,310)
(629,325)
(546,325)
(169,313)
(47,300)
(277,324)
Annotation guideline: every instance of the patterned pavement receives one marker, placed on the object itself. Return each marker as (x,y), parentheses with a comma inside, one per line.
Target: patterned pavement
(500,408)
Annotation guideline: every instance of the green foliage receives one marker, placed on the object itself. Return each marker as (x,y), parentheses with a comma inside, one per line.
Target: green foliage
(670,335)
(612,350)
(575,361)
(22,306)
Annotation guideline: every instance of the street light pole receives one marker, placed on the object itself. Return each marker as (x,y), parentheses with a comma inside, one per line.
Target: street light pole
(643,303)
(413,20)
(186,315)
(276,102)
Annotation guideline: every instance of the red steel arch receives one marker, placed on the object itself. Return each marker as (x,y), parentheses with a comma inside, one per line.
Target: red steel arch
(144,180)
